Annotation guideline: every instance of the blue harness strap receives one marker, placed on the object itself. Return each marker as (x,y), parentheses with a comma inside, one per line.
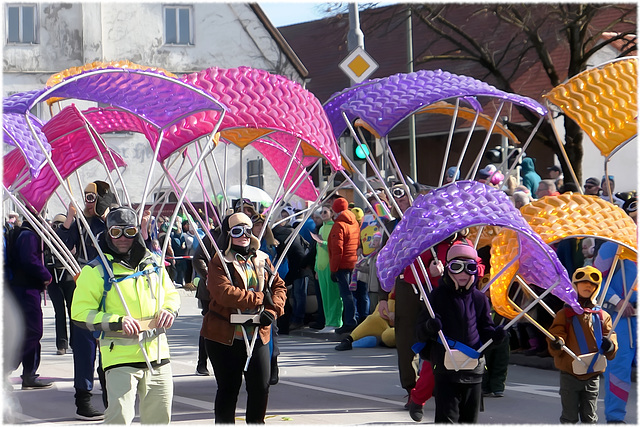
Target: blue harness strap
(582,341)
(109,281)
(457,345)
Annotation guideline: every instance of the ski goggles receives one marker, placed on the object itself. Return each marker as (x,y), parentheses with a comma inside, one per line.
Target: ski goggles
(116,231)
(458,266)
(258,218)
(593,277)
(633,207)
(398,192)
(240,230)
(90,197)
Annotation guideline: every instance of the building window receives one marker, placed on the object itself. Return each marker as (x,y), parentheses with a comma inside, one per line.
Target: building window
(21,24)
(178,25)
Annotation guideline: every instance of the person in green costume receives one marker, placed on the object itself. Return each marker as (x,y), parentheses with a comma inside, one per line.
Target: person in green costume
(331,302)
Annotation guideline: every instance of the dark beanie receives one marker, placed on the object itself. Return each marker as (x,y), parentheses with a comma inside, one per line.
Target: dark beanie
(340,204)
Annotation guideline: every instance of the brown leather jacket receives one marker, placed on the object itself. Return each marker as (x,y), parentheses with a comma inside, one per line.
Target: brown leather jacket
(228,297)
(563,327)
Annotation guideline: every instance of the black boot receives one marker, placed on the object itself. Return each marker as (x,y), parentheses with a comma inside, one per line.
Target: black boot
(274,378)
(85,410)
(345,344)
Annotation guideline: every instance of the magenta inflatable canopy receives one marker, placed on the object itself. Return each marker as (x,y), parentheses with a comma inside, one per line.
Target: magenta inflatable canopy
(151,95)
(17,133)
(386,102)
(260,100)
(71,148)
(435,216)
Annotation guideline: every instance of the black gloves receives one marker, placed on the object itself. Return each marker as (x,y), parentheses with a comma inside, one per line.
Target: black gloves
(607,345)
(557,343)
(499,335)
(425,331)
(266,318)
(268,300)
(433,325)
(334,277)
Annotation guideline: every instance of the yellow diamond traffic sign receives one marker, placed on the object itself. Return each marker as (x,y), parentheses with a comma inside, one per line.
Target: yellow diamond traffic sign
(358,65)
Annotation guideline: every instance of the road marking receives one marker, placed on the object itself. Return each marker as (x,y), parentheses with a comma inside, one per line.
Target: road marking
(343,393)
(539,390)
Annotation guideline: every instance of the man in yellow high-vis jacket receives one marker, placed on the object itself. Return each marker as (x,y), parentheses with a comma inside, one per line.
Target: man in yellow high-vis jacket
(140,304)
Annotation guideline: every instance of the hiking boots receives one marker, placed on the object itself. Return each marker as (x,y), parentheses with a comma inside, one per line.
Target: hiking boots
(85,410)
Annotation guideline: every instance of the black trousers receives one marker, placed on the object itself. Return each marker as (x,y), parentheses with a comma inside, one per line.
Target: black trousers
(61,294)
(456,402)
(228,366)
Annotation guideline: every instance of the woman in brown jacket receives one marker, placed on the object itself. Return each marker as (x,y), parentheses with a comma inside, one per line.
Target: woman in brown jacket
(228,340)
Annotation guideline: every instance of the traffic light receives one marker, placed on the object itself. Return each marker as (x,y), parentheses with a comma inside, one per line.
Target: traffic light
(360,152)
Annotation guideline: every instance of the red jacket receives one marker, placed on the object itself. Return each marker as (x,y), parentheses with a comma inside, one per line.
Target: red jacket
(343,242)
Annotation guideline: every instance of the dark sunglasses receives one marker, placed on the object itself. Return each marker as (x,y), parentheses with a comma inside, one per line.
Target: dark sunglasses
(458,266)
(240,230)
(56,225)
(587,186)
(116,231)
(90,197)
(398,192)
(580,275)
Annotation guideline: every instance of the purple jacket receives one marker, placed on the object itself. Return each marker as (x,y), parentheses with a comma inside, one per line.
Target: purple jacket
(29,270)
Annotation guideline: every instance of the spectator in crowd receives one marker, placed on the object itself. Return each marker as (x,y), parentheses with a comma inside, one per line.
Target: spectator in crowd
(555,173)
(127,333)
(60,292)
(546,187)
(592,187)
(582,333)
(568,186)
(98,199)
(200,262)
(359,278)
(608,187)
(453,174)
(520,199)
(245,289)
(343,243)
(295,279)
(331,302)
(530,178)
(13,220)
(29,279)
(179,250)
(188,240)
(269,245)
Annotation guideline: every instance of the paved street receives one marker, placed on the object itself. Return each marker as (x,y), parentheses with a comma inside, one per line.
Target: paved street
(318,385)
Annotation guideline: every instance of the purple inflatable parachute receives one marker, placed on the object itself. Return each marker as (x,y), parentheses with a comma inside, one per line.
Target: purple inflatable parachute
(446,210)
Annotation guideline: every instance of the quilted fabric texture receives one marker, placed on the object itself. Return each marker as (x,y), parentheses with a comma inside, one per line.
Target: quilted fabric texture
(388,101)
(435,216)
(603,101)
(385,102)
(572,214)
(159,99)
(260,100)
(18,134)
(71,147)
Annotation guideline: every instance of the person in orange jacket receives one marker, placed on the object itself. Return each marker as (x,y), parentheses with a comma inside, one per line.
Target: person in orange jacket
(343,243)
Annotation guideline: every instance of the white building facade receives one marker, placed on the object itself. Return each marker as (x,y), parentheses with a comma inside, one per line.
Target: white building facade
(42,39)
